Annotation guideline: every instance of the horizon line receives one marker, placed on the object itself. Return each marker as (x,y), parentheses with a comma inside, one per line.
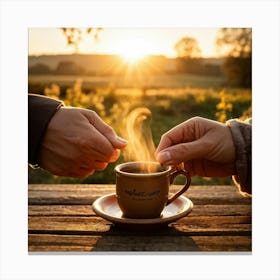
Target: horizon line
(113,54)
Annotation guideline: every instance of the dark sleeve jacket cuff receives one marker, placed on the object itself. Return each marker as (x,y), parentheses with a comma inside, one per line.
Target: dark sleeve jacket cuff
(40,111)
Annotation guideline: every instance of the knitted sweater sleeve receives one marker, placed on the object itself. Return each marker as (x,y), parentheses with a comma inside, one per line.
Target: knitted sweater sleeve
(242,137)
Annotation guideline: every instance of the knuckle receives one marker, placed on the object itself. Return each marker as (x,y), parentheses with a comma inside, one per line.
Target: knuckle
(101,166)
(195,119)
(88,173)
(93,113)
(108,153)
(111,152)
(82,173)
(108,130)
(114,156)
(164,137)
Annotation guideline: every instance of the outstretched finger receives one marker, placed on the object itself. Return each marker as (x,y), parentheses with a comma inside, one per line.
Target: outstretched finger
(181,133)
(183,152)
(107,131)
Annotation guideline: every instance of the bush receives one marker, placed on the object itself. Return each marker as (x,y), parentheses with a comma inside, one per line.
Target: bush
(169,108)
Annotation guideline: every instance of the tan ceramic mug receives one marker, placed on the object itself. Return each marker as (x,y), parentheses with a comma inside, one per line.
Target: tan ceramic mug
(142,188)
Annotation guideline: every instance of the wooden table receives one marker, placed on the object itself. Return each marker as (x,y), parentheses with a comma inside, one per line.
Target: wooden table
(61,219)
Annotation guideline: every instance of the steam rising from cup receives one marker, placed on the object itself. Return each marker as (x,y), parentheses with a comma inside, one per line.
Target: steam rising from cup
(140,146)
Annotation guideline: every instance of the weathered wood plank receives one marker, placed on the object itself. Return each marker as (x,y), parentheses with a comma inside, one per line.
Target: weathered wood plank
(221,210)
(211,220)
(86,210)
(63,198)
(121,243)
(104,188)
(87,199)
(108,188)
(61,220)
(60,210)
(223,243)
(86,194)
(71,224)
(58,248)
(86,243)
(218,225)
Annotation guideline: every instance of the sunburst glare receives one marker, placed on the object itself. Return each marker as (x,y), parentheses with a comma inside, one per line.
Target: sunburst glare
(133,50)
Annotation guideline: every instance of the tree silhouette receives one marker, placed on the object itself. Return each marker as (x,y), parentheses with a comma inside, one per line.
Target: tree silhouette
(237,44)
(237,41)
(187,47)
(75,35)
(188,55)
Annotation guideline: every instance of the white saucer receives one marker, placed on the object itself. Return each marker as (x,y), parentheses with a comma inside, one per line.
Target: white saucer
(107,207)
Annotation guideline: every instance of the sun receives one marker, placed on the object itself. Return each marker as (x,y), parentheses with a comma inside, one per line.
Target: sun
(132,56)
(133,50)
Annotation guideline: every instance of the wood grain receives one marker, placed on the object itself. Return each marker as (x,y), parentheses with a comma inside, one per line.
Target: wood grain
(197,224)
(116,243)
(86,194)
(61,219)
(86,210)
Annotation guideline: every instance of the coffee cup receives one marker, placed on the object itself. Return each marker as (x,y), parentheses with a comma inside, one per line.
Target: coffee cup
(142,188)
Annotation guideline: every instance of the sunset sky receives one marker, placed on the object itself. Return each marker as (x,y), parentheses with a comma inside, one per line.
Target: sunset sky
(130,42)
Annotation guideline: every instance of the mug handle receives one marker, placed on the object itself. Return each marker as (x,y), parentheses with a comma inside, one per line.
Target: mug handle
(173,175)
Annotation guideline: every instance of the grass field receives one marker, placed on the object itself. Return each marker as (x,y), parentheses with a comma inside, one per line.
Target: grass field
(172,99)
(146,81)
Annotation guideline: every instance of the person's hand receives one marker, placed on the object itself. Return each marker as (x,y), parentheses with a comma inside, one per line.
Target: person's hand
(77,142)
(204,146)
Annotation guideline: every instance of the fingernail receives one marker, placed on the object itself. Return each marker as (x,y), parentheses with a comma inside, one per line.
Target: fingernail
(121,140)
(163,157)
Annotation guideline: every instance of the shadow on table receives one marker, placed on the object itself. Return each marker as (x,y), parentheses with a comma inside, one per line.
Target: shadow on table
(120,239)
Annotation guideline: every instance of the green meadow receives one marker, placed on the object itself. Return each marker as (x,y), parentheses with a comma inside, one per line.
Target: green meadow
(171,99)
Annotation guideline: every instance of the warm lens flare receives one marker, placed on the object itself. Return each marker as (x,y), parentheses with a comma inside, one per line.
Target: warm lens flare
(133,50)
(132,56)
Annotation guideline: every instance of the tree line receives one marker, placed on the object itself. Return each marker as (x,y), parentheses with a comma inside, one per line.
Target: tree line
(234,43)
(148,65)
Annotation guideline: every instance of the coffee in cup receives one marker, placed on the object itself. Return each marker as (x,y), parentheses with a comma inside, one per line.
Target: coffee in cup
(142,188)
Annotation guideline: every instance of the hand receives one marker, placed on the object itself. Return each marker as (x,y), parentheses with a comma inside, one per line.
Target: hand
(205,146)
(77,142)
